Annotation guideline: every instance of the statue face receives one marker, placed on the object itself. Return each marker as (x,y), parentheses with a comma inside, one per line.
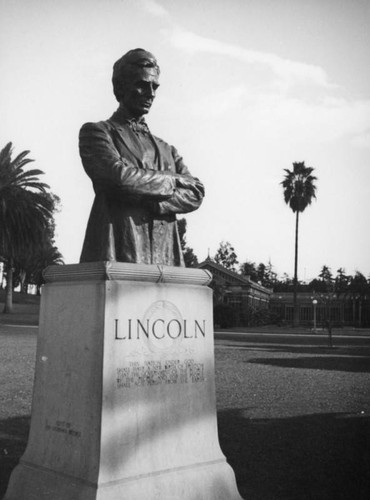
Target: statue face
(138,94)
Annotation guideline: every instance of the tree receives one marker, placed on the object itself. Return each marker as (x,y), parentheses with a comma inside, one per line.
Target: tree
(190,258)
(46,253)
(248,268)
(317,286)
(326,275)
(26,208)
(49,255)
(266,276)
(284,284)
(326,286)
(342,281)
(359,287)
(226,256)
(299,190)
(262,273)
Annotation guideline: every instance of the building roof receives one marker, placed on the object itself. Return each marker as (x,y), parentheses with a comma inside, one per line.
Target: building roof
(232,277)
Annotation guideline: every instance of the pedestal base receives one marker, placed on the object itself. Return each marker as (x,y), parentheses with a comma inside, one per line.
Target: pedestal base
(213,481)
(124,397)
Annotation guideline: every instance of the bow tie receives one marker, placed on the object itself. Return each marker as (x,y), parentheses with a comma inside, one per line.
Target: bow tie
(138,127)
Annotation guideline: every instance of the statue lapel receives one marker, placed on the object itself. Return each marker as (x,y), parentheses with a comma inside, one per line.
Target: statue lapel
(126,137)
(158,151)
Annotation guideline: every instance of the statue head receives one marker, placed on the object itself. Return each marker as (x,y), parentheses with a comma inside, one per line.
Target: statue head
(135,80)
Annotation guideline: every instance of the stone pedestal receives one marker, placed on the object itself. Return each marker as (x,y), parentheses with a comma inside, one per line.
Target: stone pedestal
(124,395)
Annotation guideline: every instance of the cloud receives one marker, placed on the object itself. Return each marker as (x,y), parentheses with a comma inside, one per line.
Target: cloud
(288,72)
(326,120)
(280,118)
(154,8)
(275,112)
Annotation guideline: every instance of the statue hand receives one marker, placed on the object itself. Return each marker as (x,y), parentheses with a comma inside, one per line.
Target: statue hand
(188,182)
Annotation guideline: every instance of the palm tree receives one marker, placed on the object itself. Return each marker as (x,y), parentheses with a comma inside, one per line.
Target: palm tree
(299,190)
(48,255)
(25,211)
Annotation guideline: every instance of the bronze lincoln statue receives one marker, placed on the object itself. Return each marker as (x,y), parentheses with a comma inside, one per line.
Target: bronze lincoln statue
(140,181)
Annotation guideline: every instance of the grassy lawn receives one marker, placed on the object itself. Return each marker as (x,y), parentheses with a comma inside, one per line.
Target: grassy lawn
(25,310)
(294,422)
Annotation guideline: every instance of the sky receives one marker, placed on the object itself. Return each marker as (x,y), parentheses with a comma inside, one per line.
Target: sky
(247,88)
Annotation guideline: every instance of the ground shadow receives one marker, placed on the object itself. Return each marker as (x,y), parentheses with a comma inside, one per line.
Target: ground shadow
(13,440)
(315,457)
(349,359)
(344,364)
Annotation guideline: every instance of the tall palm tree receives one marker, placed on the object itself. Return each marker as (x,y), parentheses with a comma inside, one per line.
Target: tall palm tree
(25,211)
(299,190)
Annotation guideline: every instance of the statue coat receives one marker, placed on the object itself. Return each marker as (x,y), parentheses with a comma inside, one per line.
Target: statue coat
(133,217)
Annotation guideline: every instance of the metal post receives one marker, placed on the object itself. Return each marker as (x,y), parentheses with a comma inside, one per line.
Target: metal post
(314,302)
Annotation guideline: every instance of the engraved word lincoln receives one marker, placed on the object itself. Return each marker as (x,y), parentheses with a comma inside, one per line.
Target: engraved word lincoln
(159,328)
(140,181)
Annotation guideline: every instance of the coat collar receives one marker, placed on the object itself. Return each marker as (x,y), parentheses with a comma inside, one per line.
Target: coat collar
(135,124)
(131,138)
